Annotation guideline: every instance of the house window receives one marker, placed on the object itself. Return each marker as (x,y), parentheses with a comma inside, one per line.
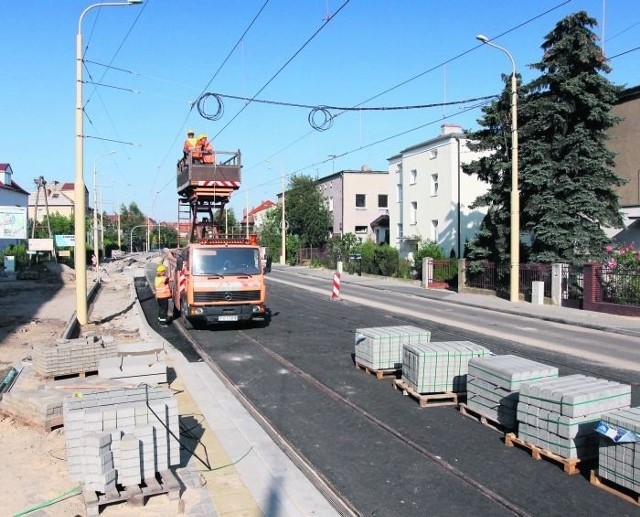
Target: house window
(434,184)
(330,204)
(414,212)
(361,229)
(433,154)
(413,176)
(434,230)
(383,201)
(361,201)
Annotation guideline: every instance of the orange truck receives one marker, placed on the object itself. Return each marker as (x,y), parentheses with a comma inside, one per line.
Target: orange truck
(214,278)
(218,281)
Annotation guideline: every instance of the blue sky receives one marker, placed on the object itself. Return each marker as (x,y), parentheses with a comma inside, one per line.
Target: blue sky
(154,59)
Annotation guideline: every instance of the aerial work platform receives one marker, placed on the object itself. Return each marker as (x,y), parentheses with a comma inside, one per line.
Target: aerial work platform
(204,188)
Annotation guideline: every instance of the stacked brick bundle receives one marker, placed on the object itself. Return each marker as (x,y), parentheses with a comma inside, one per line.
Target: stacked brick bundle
(620,462)
(493,383)
(439,367)
(561,414)
(380,348)
(121,436)
(70,356)
(38,407)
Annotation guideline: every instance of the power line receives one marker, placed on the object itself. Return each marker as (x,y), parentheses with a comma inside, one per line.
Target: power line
(324,110)
(326,22)
(520,25)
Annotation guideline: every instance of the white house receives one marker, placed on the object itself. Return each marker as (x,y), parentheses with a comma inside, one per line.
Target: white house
(431,195)
(358,202)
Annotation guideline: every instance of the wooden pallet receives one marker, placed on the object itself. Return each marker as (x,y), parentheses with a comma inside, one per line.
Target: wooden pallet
(165,482)
(380,374)
(570,466)
(80,375)
(619,491)
(446,398)
(484,420)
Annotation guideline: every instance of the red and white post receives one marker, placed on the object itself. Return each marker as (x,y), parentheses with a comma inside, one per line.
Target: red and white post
(335,293)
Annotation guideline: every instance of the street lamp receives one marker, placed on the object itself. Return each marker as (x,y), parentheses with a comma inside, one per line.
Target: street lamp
(79,198)
(96,237)
(514,287)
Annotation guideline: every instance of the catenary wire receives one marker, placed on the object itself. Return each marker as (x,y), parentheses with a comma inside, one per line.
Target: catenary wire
(516,27)
(273,77)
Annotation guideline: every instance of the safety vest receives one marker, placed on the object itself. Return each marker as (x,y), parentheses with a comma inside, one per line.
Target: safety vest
(162,287)
(190,144)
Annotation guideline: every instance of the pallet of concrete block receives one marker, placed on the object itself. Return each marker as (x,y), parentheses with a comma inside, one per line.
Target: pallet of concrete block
(619,454)
(557,418)
(122,443)
(72,356)
(435,374)
(493,383)
(135,495)
(378,350)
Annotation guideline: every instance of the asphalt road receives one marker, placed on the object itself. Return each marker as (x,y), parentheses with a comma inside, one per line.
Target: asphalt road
(380,450)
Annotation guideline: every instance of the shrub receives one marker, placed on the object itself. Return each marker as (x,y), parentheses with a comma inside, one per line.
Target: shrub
(426,249)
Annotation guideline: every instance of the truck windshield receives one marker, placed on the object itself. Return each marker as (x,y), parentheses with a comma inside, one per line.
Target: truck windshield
(226,261)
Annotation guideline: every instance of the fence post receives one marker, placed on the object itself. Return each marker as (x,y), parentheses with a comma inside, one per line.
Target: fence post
(591,287)
(462,274)
(557,281)
(427,271)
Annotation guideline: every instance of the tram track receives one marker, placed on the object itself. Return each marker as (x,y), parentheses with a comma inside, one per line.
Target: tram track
(339,501)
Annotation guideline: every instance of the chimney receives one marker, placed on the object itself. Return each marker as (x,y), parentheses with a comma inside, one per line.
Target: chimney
(447,129)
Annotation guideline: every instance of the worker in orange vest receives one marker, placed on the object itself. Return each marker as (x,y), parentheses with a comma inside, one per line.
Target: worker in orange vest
(163,293)
(189,143)
(204,147)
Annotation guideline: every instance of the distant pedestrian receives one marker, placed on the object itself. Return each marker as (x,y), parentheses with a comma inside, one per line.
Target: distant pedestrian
(163,293)
(94,262)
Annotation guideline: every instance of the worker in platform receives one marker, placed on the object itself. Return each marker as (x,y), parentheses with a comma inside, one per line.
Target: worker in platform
(190,143)
(163,293)
(204,147)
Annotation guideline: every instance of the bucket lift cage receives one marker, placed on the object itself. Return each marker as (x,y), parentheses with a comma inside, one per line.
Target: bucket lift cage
(204,188)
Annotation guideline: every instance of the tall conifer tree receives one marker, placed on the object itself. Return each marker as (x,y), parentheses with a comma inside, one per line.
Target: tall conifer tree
(568,182)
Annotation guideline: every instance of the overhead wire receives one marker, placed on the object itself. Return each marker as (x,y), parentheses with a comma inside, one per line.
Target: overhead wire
(99,83)
(279,71)
(170,148)
(407,81)
(323,109)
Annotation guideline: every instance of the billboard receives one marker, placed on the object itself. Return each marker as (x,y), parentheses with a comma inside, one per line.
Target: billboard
(13,222)
(65,241)
(40,244)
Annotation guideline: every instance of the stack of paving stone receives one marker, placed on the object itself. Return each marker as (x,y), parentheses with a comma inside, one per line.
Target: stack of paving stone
(493,383)
(380,348)
(135,369)
(121,436)
(560,415)
(38,407)
(439,367)
(620,462)
(70,356)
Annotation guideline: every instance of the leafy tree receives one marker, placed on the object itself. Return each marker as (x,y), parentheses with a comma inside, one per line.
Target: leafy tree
(60,225)
(568,182)
(306,212)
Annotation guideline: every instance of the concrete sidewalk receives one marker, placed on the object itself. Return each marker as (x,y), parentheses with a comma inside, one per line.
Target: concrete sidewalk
(625,325)
(248,473)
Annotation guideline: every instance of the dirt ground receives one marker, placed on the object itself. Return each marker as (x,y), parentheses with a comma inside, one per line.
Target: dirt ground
(37,311)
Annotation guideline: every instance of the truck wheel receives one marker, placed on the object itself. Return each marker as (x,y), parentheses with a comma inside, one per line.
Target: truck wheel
(186,322)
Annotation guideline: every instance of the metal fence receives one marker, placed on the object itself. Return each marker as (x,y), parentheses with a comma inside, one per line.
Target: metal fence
(496,277)
(619,286)
(308,255)
(572,287)
(446,271)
